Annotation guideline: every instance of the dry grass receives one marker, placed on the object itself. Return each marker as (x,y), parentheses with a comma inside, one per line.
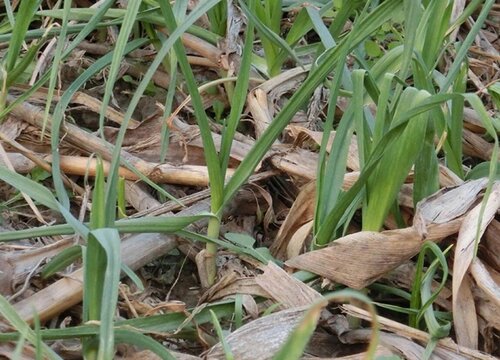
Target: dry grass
(413,228)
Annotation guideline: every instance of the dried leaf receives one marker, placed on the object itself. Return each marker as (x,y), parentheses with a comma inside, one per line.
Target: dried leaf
(261,338)
(259,107)
(250,306)
(450,203)
(358,259)
(487,310)
(490,245)
(487,279)
(230,284)
(404,276)
(446,344)
(301,212)
(298,240)
(11,128)
(149,355)
(285,289)
(464,314)
(398,344)
(317,136)
(381,352)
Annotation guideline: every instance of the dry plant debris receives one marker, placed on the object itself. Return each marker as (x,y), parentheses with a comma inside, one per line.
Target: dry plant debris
(331,215)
